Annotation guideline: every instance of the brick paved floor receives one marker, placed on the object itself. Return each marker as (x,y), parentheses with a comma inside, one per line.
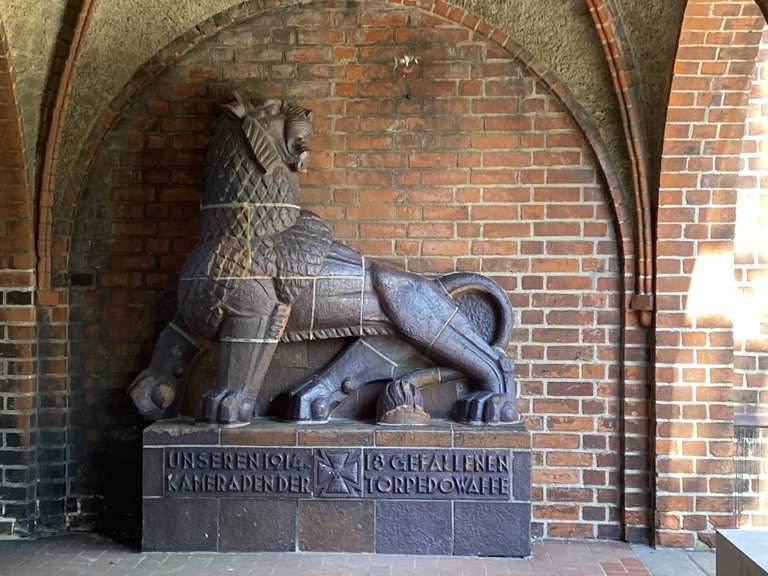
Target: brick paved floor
(89,555)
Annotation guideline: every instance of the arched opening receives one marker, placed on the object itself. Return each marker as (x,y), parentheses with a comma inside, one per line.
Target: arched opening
(474,165)
(698,317)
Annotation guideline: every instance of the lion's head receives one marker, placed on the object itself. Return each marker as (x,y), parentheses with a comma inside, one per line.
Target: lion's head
(285,126)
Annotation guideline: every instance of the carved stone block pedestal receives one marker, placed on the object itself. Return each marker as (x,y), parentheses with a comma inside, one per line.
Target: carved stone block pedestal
(341,487)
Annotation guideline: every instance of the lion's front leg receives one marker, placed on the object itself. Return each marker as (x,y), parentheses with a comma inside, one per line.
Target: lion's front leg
(247,346)
(157,390)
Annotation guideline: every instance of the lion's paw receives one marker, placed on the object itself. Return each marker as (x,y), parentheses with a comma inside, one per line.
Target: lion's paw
(154,395)
(315,399)
(486,408)
(226,406)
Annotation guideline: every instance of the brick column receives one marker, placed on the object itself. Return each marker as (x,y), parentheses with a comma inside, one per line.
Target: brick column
(696,225)
(17,317)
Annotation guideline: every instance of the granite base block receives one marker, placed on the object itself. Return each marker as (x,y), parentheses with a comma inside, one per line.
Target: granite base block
(484,529)
(414,527)
(181,525)
(347,486)
(336,525)
(246,524)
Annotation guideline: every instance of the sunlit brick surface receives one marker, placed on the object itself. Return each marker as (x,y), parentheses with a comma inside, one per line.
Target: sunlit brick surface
(751,248)
(751,323)
(700,179)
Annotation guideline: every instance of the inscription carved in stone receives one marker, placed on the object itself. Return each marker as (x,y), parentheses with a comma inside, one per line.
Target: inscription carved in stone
(420,473)
(245,472)
(357,488)
(437,474)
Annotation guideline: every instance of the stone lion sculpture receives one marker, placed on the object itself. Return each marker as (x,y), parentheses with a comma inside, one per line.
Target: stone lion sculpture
(266,271)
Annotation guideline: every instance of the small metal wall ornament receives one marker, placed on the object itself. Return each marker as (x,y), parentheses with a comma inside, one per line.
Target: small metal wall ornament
(267,271)
(407,66)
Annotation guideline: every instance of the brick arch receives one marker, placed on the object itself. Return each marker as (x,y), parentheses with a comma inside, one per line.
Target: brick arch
(133,254)
(55,110)
(610,30)
(17,282)
(57,255)
(700,178)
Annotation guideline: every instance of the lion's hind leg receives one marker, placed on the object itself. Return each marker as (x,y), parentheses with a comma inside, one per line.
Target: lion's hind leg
(365,360)
(427,316)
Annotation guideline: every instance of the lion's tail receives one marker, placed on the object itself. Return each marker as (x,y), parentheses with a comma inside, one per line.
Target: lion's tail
(484,303)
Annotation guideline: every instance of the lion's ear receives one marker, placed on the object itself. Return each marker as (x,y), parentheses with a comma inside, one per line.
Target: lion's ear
(237,109)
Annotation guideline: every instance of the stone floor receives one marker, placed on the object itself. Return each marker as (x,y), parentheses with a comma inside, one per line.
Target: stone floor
(668,562)
(89,555)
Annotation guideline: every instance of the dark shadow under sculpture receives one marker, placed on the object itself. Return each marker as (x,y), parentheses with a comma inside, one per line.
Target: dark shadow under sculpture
(265,271)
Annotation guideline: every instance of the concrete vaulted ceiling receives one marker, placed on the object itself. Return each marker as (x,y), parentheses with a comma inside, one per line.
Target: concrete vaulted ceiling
(124,34)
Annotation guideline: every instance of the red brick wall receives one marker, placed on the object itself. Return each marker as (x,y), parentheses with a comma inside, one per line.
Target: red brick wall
(17,315)
(696,225)
(474,165)
(751,289)
(751,246)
